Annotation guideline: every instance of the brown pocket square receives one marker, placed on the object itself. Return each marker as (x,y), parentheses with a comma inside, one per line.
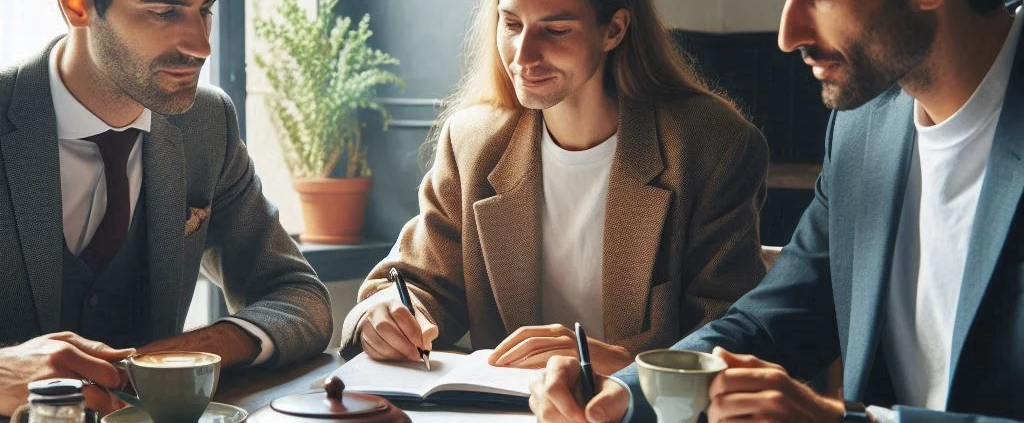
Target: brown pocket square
(196,218)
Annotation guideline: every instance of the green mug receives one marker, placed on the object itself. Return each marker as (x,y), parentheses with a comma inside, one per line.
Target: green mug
(675,382)
(172,386)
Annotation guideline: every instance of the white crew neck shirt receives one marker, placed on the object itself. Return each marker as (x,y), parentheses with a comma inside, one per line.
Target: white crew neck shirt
(572,228)
(940,201)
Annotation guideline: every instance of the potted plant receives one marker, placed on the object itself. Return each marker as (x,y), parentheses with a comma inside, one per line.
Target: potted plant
(322,73)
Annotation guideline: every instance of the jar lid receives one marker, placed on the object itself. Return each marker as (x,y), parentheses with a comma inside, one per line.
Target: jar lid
(55,387)
(56,399)
(56,392)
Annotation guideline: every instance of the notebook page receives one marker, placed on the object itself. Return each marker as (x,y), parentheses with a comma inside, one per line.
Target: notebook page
(475,375)
(363,374)
(469,416)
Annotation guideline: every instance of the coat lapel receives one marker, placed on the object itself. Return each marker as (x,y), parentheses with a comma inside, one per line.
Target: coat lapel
(997,205)
(634,219)
(31,159)
(164,182)
(509,226)
(888,149)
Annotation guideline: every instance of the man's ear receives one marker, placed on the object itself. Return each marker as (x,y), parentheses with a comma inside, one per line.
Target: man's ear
(616,29)
(77,12)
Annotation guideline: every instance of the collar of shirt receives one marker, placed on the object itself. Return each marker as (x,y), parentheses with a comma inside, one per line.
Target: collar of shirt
(982,107)
(75,121)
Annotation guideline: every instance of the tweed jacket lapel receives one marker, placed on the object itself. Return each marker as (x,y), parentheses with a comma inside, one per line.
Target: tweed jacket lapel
(634,219)
(510,234)
(163,165)
(32,163)
(509,226)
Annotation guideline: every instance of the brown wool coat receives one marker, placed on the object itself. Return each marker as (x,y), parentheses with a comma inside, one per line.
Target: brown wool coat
(681,236)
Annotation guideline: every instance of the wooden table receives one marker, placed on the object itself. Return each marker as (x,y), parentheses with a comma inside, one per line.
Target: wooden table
(252,389)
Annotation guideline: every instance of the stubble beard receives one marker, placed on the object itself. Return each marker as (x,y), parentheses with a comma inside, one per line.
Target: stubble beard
(893,51)
(136,78)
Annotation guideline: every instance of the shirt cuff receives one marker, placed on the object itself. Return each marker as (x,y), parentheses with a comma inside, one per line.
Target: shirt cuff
(266,344)
(629,409)
(882,415)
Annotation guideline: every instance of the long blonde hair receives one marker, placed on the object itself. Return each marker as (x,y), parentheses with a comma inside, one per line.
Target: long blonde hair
(646,66)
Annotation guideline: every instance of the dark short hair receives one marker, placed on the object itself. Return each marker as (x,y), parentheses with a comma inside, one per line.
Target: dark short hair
(985,6)
(101,6)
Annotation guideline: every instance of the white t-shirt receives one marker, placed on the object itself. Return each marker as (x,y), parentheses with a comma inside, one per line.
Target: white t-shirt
(572,228)
(941,198)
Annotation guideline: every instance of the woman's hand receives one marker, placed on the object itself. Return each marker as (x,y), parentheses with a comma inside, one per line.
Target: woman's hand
(531,346)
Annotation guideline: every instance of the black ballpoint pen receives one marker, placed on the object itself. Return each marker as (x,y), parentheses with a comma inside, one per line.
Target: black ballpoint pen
(403,294)
(586,374)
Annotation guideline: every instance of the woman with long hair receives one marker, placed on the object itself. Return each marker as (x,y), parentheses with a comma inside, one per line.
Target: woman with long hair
(582,172)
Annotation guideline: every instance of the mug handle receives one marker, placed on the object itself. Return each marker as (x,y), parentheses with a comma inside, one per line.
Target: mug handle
(129,399)
(120,393)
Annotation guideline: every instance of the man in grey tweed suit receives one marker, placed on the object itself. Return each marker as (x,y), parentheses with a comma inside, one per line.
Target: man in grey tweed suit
(119,179)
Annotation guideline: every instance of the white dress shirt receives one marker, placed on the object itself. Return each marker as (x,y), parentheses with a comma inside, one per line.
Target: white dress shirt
(572,228)
(83,183)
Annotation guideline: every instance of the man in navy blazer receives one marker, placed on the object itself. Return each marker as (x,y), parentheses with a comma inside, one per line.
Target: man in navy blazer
(909,262)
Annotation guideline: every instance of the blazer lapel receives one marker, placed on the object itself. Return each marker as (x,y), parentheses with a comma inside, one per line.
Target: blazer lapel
(634,220)
(997,205)
(31,159)
(164,182)
(888,149)
(509,226)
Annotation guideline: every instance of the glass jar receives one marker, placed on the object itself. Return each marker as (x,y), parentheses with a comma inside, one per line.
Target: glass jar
(56,401)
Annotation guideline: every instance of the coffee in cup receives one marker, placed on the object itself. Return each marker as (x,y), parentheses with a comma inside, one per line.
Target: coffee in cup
(175,359)
(174,386)
(675,382)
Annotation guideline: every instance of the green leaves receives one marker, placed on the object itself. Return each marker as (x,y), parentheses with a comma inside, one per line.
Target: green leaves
(322,72)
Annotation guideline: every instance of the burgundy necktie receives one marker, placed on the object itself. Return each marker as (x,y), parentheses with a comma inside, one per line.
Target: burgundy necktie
(115,148)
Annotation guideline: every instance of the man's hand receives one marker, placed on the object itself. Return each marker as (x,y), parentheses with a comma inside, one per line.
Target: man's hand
(752,389)
(555,397)
(531,346)
(389,332)
(61,355)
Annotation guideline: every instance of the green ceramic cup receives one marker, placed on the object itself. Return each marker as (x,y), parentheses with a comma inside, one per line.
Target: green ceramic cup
(675,382)
(173,386)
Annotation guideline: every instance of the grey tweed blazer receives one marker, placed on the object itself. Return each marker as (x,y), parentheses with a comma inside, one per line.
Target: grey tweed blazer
(193,163)
(680,234)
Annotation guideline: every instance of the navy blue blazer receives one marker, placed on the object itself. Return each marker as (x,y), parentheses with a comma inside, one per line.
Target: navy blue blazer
(823,298)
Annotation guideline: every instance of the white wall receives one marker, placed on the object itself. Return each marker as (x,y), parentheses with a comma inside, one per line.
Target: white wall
(263,137)
(722,16)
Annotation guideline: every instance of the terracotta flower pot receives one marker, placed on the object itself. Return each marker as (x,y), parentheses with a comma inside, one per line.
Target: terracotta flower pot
(334,209)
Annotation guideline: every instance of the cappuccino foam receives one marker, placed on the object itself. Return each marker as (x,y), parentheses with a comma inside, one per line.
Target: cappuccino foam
(174,360)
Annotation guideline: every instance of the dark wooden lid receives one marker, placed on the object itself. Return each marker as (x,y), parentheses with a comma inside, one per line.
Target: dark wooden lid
(334,405)
(316,404)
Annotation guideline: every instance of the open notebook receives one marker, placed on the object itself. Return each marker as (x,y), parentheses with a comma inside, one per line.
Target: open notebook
(454,379)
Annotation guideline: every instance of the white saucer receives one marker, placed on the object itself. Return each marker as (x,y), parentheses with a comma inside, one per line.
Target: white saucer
(215,413)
